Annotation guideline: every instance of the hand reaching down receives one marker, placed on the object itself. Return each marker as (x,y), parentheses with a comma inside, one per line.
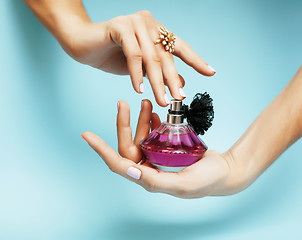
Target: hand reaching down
(122,45)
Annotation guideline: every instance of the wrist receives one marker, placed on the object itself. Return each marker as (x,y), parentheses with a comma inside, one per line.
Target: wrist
(70,32)
(86,42)
(241,171)
(69,28)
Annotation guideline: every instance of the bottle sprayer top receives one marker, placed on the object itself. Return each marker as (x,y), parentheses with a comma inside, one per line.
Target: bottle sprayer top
(199,114)
(176,112)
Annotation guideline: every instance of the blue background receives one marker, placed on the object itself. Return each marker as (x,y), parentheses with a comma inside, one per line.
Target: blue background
(53,186)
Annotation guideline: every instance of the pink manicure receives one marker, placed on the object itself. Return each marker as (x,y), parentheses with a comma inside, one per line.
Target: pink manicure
(166,99)
(141,88)
(134,173)
(212,69)
(182,92)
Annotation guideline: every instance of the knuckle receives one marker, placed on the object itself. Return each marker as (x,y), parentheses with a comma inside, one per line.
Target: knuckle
(151,189)
(120,24)
(156,26)
(157,23)
(112,169)
(172,77)
(124,149)
(121,20)
(186,47)
(145,13)
(151,186)
(154,58)
(136,56)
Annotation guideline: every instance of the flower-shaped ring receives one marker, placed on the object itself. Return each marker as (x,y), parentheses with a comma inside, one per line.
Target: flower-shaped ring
(167,39)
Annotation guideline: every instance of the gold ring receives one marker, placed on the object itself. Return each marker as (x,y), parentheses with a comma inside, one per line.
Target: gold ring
(167,39)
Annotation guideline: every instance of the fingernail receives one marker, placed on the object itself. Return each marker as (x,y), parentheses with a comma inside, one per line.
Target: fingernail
(118,106)
(212,69)
(182,92)
(142,105)
(166,99)
(83,138)
(141,88)
(134,173)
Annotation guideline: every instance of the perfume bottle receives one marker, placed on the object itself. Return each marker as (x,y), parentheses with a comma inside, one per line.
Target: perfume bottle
(175,144)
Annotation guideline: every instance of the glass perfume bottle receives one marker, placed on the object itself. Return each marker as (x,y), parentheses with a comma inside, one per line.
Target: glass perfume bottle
(175,144)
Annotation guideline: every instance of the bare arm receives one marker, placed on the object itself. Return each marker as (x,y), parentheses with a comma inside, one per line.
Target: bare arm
(62,18)
(273,131)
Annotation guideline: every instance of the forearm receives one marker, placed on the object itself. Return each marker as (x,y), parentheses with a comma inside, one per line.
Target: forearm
(60,17)
(273,131)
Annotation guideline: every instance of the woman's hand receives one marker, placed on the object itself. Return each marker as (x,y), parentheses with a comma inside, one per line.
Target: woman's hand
(214,174)
(124,45)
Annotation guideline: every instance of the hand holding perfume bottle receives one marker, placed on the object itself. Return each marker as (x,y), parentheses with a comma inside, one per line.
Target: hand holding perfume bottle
(175,145)
(216,174)
(210,176)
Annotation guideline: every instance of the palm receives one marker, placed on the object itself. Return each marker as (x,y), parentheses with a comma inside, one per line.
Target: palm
(209,176)
(200,178)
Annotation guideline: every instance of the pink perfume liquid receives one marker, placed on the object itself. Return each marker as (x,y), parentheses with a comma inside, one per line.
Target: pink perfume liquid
(172,147)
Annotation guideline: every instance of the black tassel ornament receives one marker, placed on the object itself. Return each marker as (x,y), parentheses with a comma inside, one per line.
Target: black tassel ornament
(200,115)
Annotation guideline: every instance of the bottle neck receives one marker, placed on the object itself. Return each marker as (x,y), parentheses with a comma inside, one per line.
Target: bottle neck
(175,118)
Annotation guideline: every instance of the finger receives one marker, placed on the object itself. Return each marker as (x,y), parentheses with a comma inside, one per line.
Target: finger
(113,160)
(152,63)
(134,58)
(170,73)
(158,181)
(184,51)
(144,122)
(181,79)
(155,121)
(126,147)
(149,178)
